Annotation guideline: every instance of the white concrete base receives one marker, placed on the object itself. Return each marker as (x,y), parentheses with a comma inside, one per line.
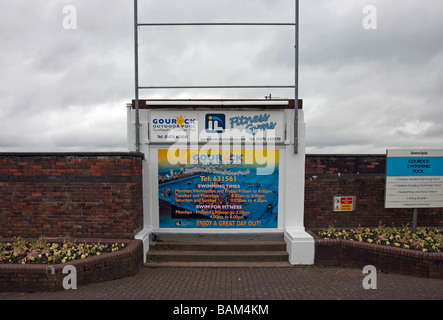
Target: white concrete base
(144,237)
(300,246)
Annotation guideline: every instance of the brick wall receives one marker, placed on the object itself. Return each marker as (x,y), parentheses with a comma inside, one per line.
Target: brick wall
(100,194)
(96,195)
(362,176)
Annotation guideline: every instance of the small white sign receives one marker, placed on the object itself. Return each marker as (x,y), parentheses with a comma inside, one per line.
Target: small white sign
(344,203)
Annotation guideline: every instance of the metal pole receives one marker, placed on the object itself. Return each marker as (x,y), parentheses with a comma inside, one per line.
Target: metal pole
(414,220)
(216,87)
(216,24)
(296,78)
(137,115)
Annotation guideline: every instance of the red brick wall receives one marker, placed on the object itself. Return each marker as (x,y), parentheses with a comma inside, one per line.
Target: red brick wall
(362,176)
(100,194)
(95,195)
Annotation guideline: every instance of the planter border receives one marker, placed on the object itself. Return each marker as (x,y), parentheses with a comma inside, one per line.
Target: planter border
(49,277)
(348,253)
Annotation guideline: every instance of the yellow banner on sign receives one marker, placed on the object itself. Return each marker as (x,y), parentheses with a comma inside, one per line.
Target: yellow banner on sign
(346,207)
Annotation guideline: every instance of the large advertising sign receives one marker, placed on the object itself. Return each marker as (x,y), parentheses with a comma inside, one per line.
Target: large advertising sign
(414,178)
(218,188)
(201,126)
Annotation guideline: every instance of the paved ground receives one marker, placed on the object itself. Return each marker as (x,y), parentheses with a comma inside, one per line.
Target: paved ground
(295,283)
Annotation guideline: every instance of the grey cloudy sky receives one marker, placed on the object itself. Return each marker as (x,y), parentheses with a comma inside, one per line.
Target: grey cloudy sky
(364,91)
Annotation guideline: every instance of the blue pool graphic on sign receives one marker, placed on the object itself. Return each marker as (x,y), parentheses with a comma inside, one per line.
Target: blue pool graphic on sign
(229,194)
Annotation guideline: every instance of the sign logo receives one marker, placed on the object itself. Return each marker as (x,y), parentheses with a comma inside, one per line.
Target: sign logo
(173,122)
(215,123)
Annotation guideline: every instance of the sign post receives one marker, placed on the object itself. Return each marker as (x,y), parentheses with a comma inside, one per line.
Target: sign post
(414,220)
(414,179)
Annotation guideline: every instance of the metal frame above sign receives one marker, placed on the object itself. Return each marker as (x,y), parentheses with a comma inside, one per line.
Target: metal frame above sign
(137,25)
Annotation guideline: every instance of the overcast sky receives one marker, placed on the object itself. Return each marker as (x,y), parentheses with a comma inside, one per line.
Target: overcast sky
(65,82)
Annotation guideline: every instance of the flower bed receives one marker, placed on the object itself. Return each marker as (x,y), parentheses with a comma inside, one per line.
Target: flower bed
(95,260)
(425,239)
(43,252)
(388,249)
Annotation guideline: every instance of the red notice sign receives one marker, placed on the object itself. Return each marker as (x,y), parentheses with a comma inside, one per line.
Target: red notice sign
(343,203)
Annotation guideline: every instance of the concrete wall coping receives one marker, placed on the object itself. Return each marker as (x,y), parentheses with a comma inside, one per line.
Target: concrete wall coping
(72,154)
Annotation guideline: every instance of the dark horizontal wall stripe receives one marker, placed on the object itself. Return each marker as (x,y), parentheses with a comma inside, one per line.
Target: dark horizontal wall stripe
(73,155)
(63,179)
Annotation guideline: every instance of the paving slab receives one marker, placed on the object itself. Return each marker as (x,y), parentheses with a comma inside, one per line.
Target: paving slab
(247,283)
